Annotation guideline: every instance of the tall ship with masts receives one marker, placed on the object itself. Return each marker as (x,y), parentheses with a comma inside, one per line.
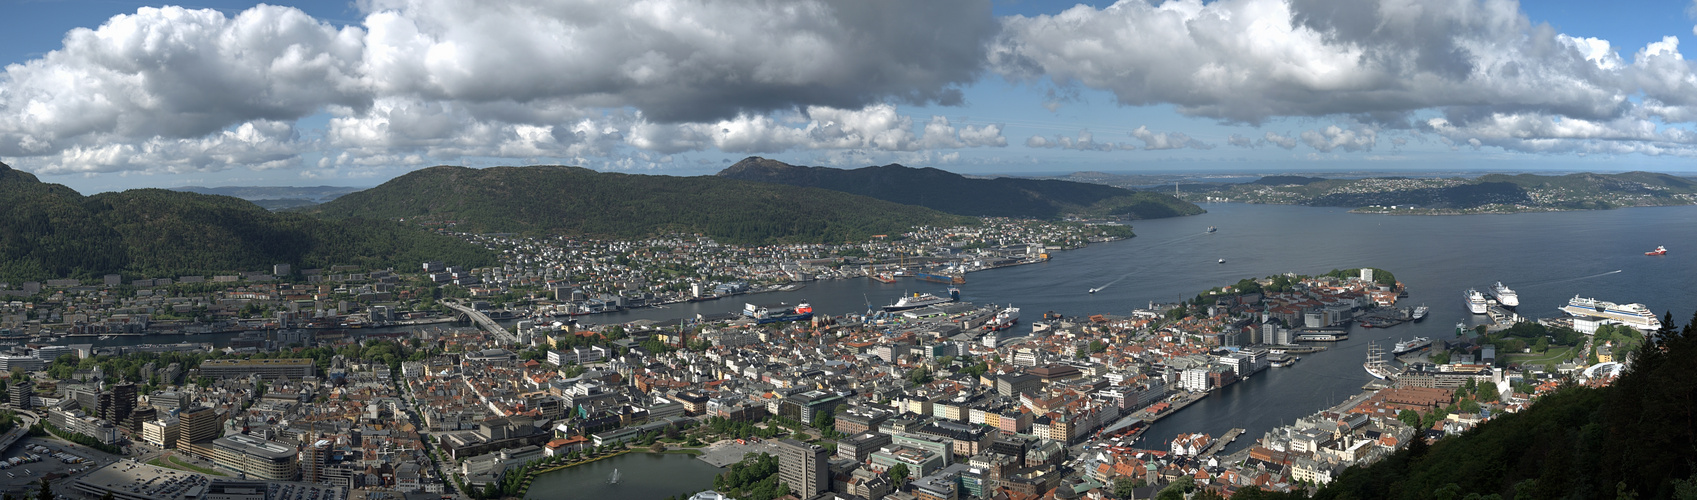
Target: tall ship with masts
(1376,364)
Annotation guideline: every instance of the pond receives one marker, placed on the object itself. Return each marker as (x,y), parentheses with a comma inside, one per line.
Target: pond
(641,475)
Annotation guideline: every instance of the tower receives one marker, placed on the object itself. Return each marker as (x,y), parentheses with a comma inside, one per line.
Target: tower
(804,467)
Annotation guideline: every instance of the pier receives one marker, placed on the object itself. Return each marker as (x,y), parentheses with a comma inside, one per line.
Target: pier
(1173,407)
(1220,444)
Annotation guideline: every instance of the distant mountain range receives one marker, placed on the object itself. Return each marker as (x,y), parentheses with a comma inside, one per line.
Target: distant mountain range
(276,197)
(953,193)
(51,231)
(578,201)
(1488,193)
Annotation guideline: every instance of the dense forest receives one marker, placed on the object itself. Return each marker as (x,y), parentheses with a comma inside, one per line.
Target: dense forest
(953,193)
(1634,439)
(50,231)
(578,201)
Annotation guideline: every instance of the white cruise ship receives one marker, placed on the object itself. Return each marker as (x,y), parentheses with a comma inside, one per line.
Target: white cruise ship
(1475,301)
(1505,295)
(1633,315)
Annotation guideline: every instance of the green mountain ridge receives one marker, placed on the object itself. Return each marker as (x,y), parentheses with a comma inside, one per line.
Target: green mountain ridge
(1493,192)
(51,231)
(957,194)
(579,201)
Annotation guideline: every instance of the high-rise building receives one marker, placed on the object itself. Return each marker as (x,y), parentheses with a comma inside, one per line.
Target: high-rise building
(199,427)
(313,456)
(116,405)
(804,467)
(21,394)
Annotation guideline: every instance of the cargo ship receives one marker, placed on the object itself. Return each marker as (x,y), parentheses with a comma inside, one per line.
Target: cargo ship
(1411,345)
(884,278)
(1475,301)
(779,313)
(1505,295)
(1633,315)
(919,300)
(940,278)
(1003,320)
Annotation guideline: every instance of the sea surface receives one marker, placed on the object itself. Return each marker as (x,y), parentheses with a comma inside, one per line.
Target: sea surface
(641,475)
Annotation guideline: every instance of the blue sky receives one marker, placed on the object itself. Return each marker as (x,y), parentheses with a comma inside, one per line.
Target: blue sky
(105,95)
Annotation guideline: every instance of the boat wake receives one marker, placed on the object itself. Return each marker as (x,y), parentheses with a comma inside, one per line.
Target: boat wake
(1565,280)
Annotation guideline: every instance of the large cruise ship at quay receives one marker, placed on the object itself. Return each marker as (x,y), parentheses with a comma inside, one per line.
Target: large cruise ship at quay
(1633,315)
(1505,295)
(1475,301)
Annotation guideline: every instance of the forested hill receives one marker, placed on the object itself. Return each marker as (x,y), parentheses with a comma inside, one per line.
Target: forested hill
(1634,439)
(578,201)
(953,193)
(1487,193)
(51,231)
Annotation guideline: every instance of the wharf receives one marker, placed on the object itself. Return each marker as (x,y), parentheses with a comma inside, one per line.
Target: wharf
(1174,408)
(1220,444)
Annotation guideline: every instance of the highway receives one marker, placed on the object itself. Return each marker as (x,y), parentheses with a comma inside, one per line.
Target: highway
(483,321)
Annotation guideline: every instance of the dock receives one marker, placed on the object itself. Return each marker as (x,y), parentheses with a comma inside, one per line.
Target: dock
(1220,444)
(1168,411)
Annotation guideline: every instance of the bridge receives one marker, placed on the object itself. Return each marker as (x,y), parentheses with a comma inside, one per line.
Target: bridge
(482,321)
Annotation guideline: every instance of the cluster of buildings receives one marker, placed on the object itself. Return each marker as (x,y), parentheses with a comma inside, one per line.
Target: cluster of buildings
(1056,413)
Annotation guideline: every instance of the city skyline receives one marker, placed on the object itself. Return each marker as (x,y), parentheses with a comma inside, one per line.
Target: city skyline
(128,94)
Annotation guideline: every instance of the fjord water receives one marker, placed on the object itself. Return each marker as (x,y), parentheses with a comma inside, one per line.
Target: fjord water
(642,475)
(1547,257)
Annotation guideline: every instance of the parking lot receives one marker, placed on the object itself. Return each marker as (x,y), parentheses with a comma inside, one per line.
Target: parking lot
(24,478)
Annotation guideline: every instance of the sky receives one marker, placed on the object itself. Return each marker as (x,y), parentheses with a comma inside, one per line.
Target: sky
(105,95)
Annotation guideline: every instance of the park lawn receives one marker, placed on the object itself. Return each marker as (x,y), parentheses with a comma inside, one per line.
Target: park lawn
(1553,356)
(180,465)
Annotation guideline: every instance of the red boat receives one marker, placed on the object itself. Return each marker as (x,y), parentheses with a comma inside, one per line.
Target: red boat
(1660,250)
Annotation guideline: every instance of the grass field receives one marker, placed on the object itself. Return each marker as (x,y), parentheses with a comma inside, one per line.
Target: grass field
(174,463)
(1555,355)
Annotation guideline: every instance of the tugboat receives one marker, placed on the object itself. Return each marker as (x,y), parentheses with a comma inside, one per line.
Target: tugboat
(1659,251)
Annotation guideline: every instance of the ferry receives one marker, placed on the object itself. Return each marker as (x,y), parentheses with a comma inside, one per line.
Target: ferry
(1004,319)
(1633,315)
(1322,337)
(919,300)
(1475,301)
(1408,346)
(1659,251)
(766,314)
(1420,312)
(1505,295)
